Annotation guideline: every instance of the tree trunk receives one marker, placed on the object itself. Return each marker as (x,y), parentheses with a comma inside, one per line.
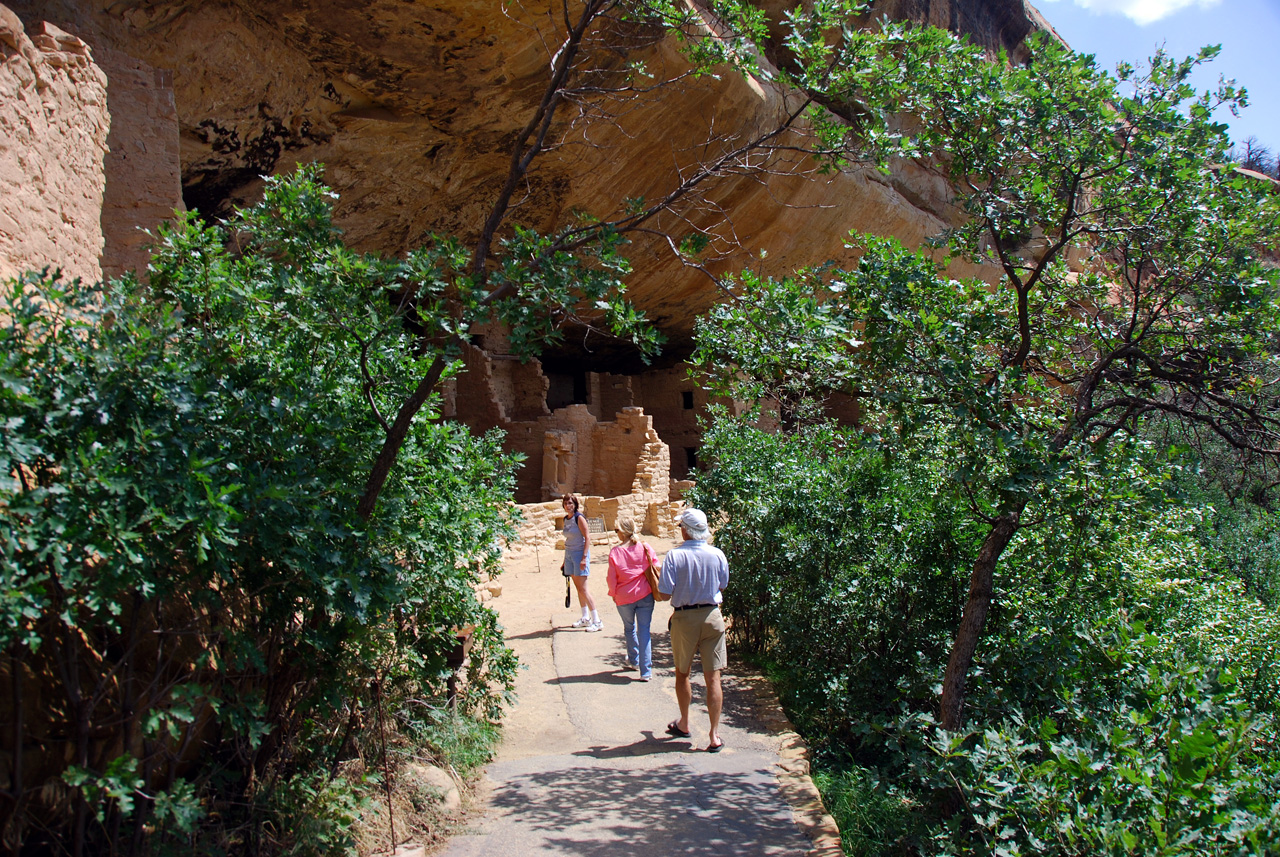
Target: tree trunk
(973,619)
(395,439)
(17,739)
(523,153)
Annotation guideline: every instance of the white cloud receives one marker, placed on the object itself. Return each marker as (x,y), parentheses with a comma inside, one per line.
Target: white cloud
(1142,11)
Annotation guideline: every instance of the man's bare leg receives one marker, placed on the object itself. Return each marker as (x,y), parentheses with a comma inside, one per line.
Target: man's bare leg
(684,696)
(715,699)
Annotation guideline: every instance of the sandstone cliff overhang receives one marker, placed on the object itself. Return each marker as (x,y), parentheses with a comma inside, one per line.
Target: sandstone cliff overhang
(413,106)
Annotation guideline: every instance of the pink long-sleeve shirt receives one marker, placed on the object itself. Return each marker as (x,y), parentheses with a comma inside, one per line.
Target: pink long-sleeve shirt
(626,580)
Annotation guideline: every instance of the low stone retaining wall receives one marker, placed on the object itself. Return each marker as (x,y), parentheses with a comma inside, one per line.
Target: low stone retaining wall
(541,524)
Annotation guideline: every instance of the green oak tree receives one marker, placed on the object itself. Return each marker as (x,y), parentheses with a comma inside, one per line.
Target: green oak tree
(536,283)
(191,612)
(199,462)
(1127,281)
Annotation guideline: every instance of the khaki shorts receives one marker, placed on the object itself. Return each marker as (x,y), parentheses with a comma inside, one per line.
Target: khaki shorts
(700,631)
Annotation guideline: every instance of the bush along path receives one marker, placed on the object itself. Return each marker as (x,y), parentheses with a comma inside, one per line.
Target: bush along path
(586,766)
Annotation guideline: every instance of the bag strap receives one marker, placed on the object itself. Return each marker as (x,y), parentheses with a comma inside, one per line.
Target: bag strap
(651,573)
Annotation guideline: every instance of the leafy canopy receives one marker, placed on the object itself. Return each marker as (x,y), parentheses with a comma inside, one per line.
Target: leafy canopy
(181,560)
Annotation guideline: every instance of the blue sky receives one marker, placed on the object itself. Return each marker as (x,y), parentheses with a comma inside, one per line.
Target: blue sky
(1131,30)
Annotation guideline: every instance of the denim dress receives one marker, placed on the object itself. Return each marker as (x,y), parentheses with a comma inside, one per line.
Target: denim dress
(575,546)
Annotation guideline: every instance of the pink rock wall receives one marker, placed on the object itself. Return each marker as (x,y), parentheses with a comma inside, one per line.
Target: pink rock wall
(53,136)
(143,167)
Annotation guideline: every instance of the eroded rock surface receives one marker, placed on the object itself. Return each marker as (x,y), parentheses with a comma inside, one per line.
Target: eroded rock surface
(53,133)
(413,107)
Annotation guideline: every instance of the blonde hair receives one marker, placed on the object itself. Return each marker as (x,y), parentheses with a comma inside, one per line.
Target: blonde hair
(628,526)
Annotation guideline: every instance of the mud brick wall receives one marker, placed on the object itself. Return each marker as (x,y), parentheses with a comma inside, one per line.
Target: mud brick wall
(675,402)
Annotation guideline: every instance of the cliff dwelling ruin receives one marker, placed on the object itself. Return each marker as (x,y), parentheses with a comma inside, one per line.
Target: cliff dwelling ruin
(114,113)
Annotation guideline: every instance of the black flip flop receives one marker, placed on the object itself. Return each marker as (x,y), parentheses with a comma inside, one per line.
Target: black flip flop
(716,748)
(673,729)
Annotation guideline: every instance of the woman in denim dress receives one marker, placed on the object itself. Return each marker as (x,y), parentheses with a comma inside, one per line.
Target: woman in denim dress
(577,562)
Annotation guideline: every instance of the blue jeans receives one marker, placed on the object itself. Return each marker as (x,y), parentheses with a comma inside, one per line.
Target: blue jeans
(636,618)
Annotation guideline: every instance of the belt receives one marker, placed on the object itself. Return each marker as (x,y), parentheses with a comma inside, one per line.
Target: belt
(696,606)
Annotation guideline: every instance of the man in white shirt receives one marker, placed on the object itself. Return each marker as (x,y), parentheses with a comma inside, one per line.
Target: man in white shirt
(694,574)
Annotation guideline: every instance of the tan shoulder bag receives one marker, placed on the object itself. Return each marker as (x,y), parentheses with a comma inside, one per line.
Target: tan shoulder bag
(651,570)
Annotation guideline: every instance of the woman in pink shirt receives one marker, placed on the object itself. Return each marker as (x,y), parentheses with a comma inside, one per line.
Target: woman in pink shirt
(630,590)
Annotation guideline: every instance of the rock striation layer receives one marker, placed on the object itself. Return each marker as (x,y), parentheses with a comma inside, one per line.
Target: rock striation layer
(53,134)
(413,107)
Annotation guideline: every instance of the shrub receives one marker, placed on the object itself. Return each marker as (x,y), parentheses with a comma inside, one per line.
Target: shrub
(1162,763)
(1123,700)
(845,566)
(189,600)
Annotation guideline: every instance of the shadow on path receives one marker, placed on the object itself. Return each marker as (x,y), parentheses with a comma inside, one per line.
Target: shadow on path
(650,745)
(532,635)
(662,811)
(605,677)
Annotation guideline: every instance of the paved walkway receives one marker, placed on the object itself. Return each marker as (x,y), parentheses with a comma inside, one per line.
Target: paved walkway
(586,768)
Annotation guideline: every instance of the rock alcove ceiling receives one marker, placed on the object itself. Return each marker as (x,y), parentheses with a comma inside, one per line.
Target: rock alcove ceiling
(413,107)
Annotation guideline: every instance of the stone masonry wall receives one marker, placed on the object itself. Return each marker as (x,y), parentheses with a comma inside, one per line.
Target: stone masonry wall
(528,389)
(578,422)
(663,395)
(620,446)
(143,167)
(570,449)
(615,393)
(53,135)
(473,392)
(633,465)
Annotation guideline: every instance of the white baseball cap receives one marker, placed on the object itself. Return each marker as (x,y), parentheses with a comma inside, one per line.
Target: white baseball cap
(694,522)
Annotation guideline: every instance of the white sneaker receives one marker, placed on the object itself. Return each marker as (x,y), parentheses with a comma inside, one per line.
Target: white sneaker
(595,626)
(582,622)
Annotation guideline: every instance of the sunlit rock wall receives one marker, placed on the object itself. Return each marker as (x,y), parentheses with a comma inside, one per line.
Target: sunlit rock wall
(53,135)
(143,169)
(414,106)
